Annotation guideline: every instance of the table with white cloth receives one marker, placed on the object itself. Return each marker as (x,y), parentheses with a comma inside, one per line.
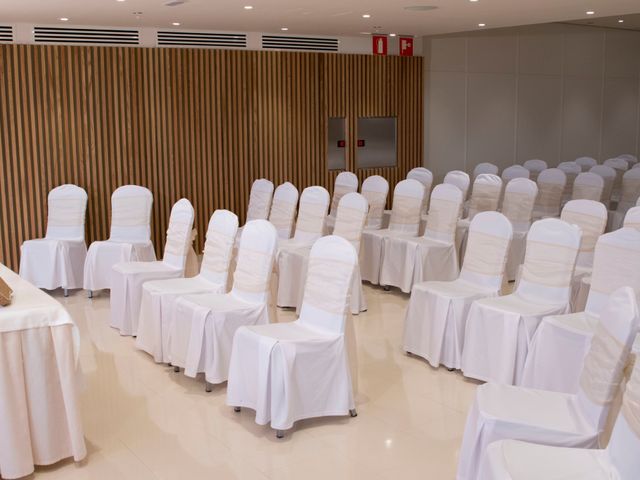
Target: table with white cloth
(39,410)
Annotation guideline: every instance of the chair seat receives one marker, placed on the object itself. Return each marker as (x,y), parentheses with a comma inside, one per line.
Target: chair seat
(143,267)
(455,289)
(219,302)
(579,322)
(290,332)
(179,286)
(515,303)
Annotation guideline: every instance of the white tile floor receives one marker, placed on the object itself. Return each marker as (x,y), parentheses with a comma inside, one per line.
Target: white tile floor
(143,421)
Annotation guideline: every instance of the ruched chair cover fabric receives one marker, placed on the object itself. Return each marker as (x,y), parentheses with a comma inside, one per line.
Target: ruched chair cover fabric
(435,320)
(405,221)
(514,171)
(159,296)
(290,371)
(499,330)
(128,277)
(586,163)
(551,183)
(283,209)
(351,215)
(459,179)
(571,171)
(517,205)
(518,460)
(57,260)
(425,177)
(375,190)
(557,351)
(346,182)
(608,174)
(312,214)
(632,218)
(130,238)
(260,198)
(535,167)
(588,186)
(628,198)
(566,420)
(485,167)
(407,260)
(620,166)
(631,159)
(203,325)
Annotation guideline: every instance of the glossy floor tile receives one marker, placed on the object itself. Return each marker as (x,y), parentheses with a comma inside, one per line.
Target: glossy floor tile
(143,421)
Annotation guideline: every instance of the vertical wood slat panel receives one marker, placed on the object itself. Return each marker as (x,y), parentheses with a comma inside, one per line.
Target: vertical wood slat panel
(184,122)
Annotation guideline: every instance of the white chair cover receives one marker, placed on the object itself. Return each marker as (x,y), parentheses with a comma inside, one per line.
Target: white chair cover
(127,278)
(499,329)
(314,203)
(517,205)
(425,177)
(517,460)
(485,195)
(571,170)
(586,163)
(588,186)
(159,296)
(620,165)
(436,316)
(290,371)
(57,260)
(204,325)
(460,179)
(506,412)
(283,209)
(631,160)
(130,238)
(260,200)
(407,259)
(514,171)
(551,184)
(535,167)
(591,217)
(561,342)
(608,174)
(346,182)
(628,198)
(405,221)
(375,189)
(485,167)
(632,218)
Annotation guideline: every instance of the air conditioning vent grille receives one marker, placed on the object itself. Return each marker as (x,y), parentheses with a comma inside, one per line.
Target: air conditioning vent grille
(299,43)
(6,33)
(86,35)
(201,39)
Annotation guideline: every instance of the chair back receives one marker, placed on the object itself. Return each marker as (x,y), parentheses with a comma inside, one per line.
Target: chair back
(283,209)
(445,209)
(485,195)
(630,190)
(407,204)
(179,236)
(620,165)
(591,217)
(314,203)
(218,246)
(327,289)
(631,160)
(608,174)
(375,189)
(346,182)
(551,184)
(352,214)
(586,163)
(131,214)
(588,186)
(425,177)
(66,210)
(514,171)
(260,200)
(518,202)
(535,167)
(460,179)
(485,167)
(571,170)
(632,217)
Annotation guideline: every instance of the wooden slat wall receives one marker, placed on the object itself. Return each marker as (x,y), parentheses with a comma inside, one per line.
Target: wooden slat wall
(197,123)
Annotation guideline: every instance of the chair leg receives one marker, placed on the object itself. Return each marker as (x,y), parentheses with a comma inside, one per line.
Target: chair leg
(90,294)
(451,369)
(207,387)
(353,412)
(66,292)
(176,369)
(386,288)
(279,434)
(236,409)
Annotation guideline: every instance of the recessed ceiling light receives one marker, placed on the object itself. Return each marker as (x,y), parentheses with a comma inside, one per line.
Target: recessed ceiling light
(366,15)
(119,0)
(248,7)
(175,24)
(482,24)
(590,12)
(473,0)
(620,20)
(63,19)
(284,29)
(392,34)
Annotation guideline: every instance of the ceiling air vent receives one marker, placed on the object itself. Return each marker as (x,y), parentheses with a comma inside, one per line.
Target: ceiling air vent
(300,43)
(6,33)
(201,39)
(85,35)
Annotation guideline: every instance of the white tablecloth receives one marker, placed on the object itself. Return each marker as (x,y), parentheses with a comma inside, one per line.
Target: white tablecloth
(40,419)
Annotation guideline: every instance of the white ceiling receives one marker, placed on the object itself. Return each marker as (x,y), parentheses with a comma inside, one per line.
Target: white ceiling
(316,17)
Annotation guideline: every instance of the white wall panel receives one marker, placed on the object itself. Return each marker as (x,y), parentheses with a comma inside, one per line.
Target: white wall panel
(581,120)
(584,52)
(619,127)
(540,53)
(492,54)
(448,54)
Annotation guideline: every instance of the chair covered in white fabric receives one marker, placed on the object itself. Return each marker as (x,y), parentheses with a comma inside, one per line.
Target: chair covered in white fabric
(518,460)
(571,170)
(517,205)
(352,213)
(128,277)
(608,174)
(588,186)
(459,179)
(535,167)
(631,159)
(514,171)
(159,296)
(620,165)
(502,412)
(558,348)
(292,371)
(203,325)
(485,167)
(405,222)
(375,189)
(283,209)
(632,218)
(435,320)
(57,260)
(551,183)
(129,241)
(312,214)
(425,177)
(260,198)
(407,260)
(586,163)
(628,198)
(499,329)
(346,182)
